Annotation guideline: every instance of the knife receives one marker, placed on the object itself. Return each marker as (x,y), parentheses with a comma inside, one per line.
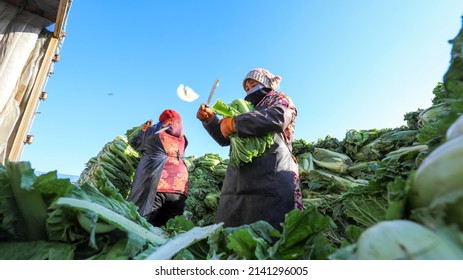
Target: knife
(214,86)
(162,129)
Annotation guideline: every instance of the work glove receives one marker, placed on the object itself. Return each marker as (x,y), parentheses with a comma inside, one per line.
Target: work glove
(205,114)
(147,124)
(227,126)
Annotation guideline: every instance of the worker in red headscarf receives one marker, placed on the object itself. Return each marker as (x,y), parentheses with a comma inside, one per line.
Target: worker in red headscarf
(160,185)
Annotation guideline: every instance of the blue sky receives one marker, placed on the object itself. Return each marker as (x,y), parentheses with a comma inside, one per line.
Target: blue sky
(347,64)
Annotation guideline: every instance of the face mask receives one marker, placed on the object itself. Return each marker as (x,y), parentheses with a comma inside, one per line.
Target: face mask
(256,88)
(255,97)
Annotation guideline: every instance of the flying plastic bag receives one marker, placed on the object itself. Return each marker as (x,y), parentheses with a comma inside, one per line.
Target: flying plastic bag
(186,93)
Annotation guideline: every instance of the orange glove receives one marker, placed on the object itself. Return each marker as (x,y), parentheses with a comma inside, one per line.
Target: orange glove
(227,126)
(205,114)
(147,124)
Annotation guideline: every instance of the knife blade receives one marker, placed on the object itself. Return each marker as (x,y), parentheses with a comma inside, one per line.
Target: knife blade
(162,129)
(214,86)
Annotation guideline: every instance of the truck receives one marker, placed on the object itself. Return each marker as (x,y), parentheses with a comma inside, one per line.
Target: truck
(32,34)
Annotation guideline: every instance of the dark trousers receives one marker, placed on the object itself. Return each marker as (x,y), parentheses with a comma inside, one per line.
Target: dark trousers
(166,206)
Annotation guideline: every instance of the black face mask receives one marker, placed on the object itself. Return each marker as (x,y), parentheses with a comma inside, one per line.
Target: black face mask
(255,97)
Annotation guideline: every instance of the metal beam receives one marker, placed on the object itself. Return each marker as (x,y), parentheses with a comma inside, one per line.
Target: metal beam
(19,136)
(29,110)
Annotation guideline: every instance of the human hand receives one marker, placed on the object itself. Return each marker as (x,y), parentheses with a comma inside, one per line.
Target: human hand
(227,126)
(205,114)
(147,124)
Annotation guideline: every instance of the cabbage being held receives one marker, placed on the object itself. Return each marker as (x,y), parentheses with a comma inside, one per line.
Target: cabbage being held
(243,149)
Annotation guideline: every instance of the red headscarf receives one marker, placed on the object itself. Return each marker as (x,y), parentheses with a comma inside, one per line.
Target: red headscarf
(169,114)
(172,118)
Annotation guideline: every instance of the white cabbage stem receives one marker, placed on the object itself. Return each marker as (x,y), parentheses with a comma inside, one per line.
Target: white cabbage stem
(455,129)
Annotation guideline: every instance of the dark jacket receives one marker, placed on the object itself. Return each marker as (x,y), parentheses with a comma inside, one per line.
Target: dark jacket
(263,189)
(155,160)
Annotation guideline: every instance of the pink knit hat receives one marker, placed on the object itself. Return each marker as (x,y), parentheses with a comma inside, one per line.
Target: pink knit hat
(264,77)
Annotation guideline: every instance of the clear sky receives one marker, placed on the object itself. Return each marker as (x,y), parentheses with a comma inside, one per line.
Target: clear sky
(347,64)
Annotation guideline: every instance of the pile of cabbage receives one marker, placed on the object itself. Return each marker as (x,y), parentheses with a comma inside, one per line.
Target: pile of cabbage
(48,218)
(393,193)
(206,174)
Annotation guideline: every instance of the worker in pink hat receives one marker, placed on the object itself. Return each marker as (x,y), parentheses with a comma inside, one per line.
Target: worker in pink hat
(268,187)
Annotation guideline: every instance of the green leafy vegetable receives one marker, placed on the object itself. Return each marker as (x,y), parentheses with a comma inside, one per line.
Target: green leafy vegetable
(181,241)
(36,250)
(440,174)
(331,160)
(243,149)
(404,239)
(112,218)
